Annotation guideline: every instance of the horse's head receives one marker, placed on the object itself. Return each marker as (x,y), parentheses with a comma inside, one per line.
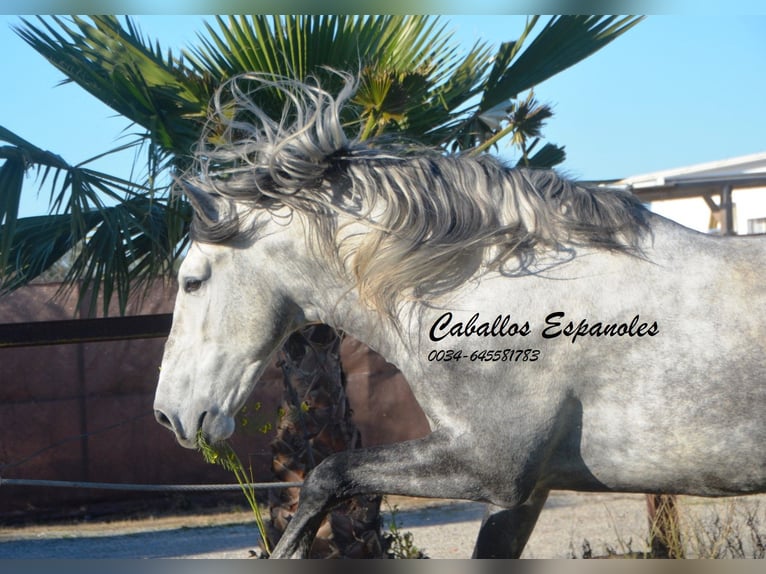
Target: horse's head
(232,312)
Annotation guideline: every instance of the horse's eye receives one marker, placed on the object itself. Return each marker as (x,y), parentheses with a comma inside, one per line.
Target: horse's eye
(192,285)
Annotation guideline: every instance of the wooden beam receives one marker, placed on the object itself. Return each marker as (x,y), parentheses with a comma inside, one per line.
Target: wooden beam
(84,330)
(679,189)
(714,207)
(727,221)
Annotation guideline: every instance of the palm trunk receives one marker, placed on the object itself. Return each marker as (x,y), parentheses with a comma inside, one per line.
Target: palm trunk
(315,422)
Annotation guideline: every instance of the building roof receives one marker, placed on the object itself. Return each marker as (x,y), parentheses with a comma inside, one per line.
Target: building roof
(699,179)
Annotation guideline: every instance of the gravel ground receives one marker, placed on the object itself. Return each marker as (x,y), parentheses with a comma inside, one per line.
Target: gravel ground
(441,529)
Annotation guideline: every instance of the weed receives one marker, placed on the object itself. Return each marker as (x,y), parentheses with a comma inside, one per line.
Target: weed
(398,544)
(734,530)
(223,454)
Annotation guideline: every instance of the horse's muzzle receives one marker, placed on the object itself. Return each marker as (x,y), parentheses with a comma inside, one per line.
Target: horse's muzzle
(185,437)
(213,424)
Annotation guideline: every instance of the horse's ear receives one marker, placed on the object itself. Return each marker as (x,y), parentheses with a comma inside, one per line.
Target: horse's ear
(209,207)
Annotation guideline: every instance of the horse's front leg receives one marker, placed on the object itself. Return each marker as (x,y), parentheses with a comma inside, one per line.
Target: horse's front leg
(431,467)
(504,531)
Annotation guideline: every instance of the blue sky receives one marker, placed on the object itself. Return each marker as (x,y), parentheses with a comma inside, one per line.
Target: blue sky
(675,90)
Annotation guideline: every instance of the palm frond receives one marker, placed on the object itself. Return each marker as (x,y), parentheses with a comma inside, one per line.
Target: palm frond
(409,62)
(414,80)
(120,68)
(563,41)
(11,184)
(548,156)
(75,185)
(115,249)
(129,245)
(89,209)
(38,243)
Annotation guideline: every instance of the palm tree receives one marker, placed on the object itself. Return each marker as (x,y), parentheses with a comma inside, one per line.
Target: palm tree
(414,83)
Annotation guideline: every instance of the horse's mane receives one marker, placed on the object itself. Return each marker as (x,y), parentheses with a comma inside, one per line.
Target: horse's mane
(432,219)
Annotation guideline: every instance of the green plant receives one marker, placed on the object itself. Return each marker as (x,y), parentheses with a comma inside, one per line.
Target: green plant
(251,418)
(400,545)
(223,454)
(415,84)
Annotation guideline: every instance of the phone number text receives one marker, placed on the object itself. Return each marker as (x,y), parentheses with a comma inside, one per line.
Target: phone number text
(496,355)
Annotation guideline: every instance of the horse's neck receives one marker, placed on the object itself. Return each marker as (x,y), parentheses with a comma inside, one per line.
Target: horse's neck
(341,308)
(324,295)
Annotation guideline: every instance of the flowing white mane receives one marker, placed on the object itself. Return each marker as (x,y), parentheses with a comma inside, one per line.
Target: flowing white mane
(433,219)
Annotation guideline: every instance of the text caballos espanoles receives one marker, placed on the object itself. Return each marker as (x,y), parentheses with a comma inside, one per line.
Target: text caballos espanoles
(555,325)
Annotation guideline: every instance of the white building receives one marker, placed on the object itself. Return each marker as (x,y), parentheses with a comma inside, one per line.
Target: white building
(726,197)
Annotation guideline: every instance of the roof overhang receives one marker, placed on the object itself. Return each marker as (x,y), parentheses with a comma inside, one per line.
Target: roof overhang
(698,180)
(691,187)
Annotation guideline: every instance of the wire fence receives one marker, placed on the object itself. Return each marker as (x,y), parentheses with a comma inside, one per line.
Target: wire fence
(145,487)
(100,330)
(24,482)
(123,486)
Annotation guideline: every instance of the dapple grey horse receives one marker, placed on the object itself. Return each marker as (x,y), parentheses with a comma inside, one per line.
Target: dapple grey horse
(557,336)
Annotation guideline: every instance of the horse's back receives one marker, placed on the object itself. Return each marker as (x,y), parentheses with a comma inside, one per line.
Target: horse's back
(662,390)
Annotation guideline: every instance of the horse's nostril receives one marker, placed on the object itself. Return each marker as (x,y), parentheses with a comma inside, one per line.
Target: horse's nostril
(163,420)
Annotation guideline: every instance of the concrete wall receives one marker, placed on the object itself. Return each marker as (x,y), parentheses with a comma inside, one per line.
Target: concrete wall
(84,411)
